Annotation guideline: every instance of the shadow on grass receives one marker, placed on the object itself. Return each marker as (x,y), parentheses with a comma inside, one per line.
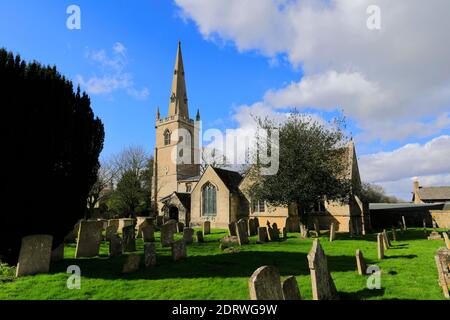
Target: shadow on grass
(362,294)
(409,256)
(221,265)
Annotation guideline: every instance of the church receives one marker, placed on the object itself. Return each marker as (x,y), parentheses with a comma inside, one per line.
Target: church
(182,192)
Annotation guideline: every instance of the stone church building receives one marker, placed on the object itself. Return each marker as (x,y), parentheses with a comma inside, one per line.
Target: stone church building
(181,193)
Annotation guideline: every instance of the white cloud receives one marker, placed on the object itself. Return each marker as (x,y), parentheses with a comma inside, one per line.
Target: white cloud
(114,77)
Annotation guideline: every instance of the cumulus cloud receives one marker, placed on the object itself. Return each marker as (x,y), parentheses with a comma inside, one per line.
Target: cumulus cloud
(113,73)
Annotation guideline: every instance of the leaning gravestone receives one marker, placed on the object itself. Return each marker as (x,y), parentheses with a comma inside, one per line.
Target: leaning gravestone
(265,284)
(200,237)
(303,231)
(394,234)
(148,233)
(323,287)
(167,233)
(35,254)
(380,246)
(290,289)
(58,253)
(404,223)
(89,239)
(442,260)
(385,240)
(150,254)
(129,238)
(262,235)
(206,227)
(241,229)
(132,263)
(447,240)
(178,250)
(360,263)
(232,229)
(115,246)
(276,232)
(332,232)
(188,235)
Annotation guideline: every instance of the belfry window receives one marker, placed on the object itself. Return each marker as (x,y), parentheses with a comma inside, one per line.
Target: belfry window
(167,137)
(209,200)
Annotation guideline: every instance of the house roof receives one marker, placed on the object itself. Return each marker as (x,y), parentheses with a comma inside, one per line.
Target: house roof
(434,193)
(230,178)
(403,206)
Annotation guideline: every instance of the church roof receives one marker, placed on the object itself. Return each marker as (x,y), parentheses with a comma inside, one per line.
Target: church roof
(230,178)
(434,193)
(185,199)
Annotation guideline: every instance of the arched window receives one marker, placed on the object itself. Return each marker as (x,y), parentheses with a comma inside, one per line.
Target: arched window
(167,135)
(209,200)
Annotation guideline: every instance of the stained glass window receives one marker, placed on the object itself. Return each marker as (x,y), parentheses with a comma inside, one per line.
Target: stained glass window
(209,200)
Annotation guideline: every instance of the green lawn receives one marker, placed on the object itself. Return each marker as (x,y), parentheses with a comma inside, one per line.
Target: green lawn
(408,272)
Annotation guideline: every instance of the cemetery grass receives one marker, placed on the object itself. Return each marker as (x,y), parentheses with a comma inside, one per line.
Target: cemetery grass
(408,271)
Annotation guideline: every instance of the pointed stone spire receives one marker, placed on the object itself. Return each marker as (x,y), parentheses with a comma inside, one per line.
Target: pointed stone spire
(353,164)
(158,114)
(178,97)
(197,117)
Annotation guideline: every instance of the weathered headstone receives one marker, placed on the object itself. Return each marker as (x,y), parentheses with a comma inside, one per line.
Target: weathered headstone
(206,227)
(132,263)
(126,222)
(129,238)
(167,233)
(159,221)
(276,232)
(150,254)
(143,222)
(148,233)
(361,265)
(265,284)
(188,235)
(232,229)
(58,253)
(35,254)
(252,227)
(110,231)
(385,240)
(241,229)
(180,227)
(290,289)
(442,260)
(404,223)
(200,236)
(262,235)
(394,234)
(447,240)
(323,287)
(178,250)
(332,232)
(115,246)
(285,233)
(380,246)
(89,239)
(303,231)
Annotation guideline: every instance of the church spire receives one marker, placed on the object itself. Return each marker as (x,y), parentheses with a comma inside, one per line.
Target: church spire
(178,96)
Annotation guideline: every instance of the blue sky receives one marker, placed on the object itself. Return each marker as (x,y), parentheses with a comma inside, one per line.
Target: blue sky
(258,57)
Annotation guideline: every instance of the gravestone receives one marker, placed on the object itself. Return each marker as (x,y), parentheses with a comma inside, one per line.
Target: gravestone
(159,221)
(276,232)
(323,287)
(262,235)
(178,250)
(149,254)
(317,227)
(447,240)
(394,234)
(404,223)
(200,236)
(265,284)
(35,254)
(148,233)
(206,227)
(58,253)
(228,242)
(360,263)
(380,246)
(132,263)
(143,222)
(252,227)
(109,232)
(126,222)
(180,227)
(241,229)
(285,233)
(128,238)
(303,231)
(115,246)
(188,235)
(232,229)
(385,240)
(442,260)
(290,289)
(167,233)
(332,232)
(89,239)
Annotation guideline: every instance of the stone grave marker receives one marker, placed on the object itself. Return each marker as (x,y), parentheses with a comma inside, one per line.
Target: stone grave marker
(149,254)
(58,253)
(241,229)
(115,246)
(332,232)
(35,254)
(323,287)
(132,263)
(178,250)
(167,233)
(303,231)
(206,227)
(361,265)
(180,227)
(276,232)
(265,284)
(262,235)
(447,240)
(232,229)
(126,222)
(148,233)
(404,223)
(290,289)
(252,227)
(385,240)
(380,246)
(110,231)
(188,235)
(285,233)
(394,234)
(200,236)
(89,239)
(129,238)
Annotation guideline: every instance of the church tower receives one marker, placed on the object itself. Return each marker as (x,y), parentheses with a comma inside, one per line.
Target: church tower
(177,155)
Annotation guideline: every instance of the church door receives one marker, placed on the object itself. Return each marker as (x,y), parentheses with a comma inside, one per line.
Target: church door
(174,213)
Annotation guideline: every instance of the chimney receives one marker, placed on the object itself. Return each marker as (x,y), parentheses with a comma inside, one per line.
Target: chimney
(416,186)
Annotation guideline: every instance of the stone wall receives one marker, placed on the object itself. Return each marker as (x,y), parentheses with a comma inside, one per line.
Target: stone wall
(442,218)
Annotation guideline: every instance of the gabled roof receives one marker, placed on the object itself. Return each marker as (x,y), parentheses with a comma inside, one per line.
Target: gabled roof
(230,178)
(185,199)
(434,193)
